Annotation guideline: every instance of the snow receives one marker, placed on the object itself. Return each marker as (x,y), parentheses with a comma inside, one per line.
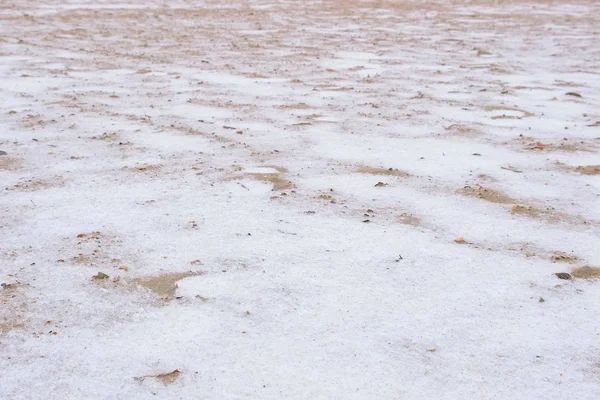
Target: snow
(243,141)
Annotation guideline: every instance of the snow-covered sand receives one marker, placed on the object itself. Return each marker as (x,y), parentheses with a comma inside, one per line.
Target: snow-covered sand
(299,200)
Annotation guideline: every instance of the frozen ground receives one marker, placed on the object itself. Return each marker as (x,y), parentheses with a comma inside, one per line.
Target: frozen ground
(221,161)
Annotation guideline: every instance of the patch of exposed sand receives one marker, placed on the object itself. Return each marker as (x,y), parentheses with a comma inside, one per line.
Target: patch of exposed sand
(586,272)
(164,285)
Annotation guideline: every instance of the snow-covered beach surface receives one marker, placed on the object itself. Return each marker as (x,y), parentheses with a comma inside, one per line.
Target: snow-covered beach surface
(299,200)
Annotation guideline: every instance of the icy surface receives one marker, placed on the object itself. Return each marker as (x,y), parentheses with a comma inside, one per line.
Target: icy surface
(374,196)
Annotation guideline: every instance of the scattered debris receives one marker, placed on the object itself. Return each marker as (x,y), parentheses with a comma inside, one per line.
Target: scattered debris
(165,378)
(380,184)
(541,300)
(326,197)
(31,185)
(559,256)
(491,195)
(147,167)
(92,235)
(83,259)
(382,171)
(100,276)
(10,286)
(108,136)
(588,169)
(574,94)
(461,240)
(534,144)
(513,169)
(461,130)
(563,275)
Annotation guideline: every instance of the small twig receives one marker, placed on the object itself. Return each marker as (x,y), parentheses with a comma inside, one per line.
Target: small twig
(32,202)
(512,169)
